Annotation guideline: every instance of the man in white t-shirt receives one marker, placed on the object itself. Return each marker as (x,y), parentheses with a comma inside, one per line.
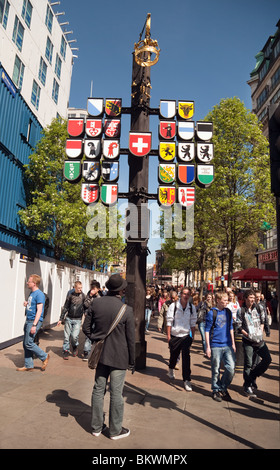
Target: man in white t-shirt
(180,325)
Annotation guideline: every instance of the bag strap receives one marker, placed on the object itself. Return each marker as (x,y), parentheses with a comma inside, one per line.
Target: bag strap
(117,319)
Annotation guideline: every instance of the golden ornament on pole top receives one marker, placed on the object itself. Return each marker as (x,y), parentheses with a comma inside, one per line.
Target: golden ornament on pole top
(147,45)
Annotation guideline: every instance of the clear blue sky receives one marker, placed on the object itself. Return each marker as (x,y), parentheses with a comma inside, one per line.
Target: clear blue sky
(207,47)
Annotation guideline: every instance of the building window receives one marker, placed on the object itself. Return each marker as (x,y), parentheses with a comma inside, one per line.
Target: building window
(27,12)
(4,12)
(49,50)
(262,98)
(43,71)
(63,46)
(49,19)
(18,33)
(276,50)
(35,95)
(264,70)
(58,66)
(18,72)
(275,78)
(55,91)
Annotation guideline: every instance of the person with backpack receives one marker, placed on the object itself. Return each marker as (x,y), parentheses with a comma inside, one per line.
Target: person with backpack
(220,346)
(251,320)
(203,307)
(180,329)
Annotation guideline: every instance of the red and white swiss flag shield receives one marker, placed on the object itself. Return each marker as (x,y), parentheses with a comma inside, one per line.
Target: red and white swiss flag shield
(140,143)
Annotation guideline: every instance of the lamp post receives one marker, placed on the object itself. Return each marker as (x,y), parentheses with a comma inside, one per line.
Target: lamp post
(137,249)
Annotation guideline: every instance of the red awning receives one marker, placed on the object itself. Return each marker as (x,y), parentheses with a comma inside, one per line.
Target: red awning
(255,274)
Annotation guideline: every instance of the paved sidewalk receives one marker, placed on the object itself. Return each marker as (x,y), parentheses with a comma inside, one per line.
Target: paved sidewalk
(51,409)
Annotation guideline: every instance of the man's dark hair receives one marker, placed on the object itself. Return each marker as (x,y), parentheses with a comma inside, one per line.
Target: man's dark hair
(94,284)
(249,292)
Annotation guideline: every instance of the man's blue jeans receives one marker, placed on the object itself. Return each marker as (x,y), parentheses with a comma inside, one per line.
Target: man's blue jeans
(227,356)
(71,333)
(201,327)
(117,378)
(148,313)
(31,348)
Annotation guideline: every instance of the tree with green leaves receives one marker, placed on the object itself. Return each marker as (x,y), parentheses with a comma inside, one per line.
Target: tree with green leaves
(55,212)
(239,199)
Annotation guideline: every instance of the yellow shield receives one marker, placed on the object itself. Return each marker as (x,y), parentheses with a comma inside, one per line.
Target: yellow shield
(166,195)
(186,109)
(167,150)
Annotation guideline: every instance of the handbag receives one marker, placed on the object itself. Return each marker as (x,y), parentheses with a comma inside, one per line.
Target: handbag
(97,347)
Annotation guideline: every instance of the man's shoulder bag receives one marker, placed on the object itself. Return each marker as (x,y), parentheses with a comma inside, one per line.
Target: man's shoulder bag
(97,346)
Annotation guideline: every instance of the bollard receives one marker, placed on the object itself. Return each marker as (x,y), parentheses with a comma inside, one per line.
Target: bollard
(239,364)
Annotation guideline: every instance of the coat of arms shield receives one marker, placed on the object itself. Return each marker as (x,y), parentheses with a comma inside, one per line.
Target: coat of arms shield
(91,170)
(72,170)
(186,196)
(89,193)
(166,195)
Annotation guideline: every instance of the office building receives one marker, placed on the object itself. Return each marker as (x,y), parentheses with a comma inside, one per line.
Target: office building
(265,91)
(36,67)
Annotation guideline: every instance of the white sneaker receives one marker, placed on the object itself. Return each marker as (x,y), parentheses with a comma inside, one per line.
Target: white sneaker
(124,433)
(171,374)
(187,386)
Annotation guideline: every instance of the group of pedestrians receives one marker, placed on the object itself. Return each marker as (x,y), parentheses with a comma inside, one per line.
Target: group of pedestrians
(219,317)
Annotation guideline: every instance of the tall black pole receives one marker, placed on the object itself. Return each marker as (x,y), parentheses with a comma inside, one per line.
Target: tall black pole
(137,250)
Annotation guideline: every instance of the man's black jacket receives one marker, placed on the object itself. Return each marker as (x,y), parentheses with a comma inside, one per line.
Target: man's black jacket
(119,346)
